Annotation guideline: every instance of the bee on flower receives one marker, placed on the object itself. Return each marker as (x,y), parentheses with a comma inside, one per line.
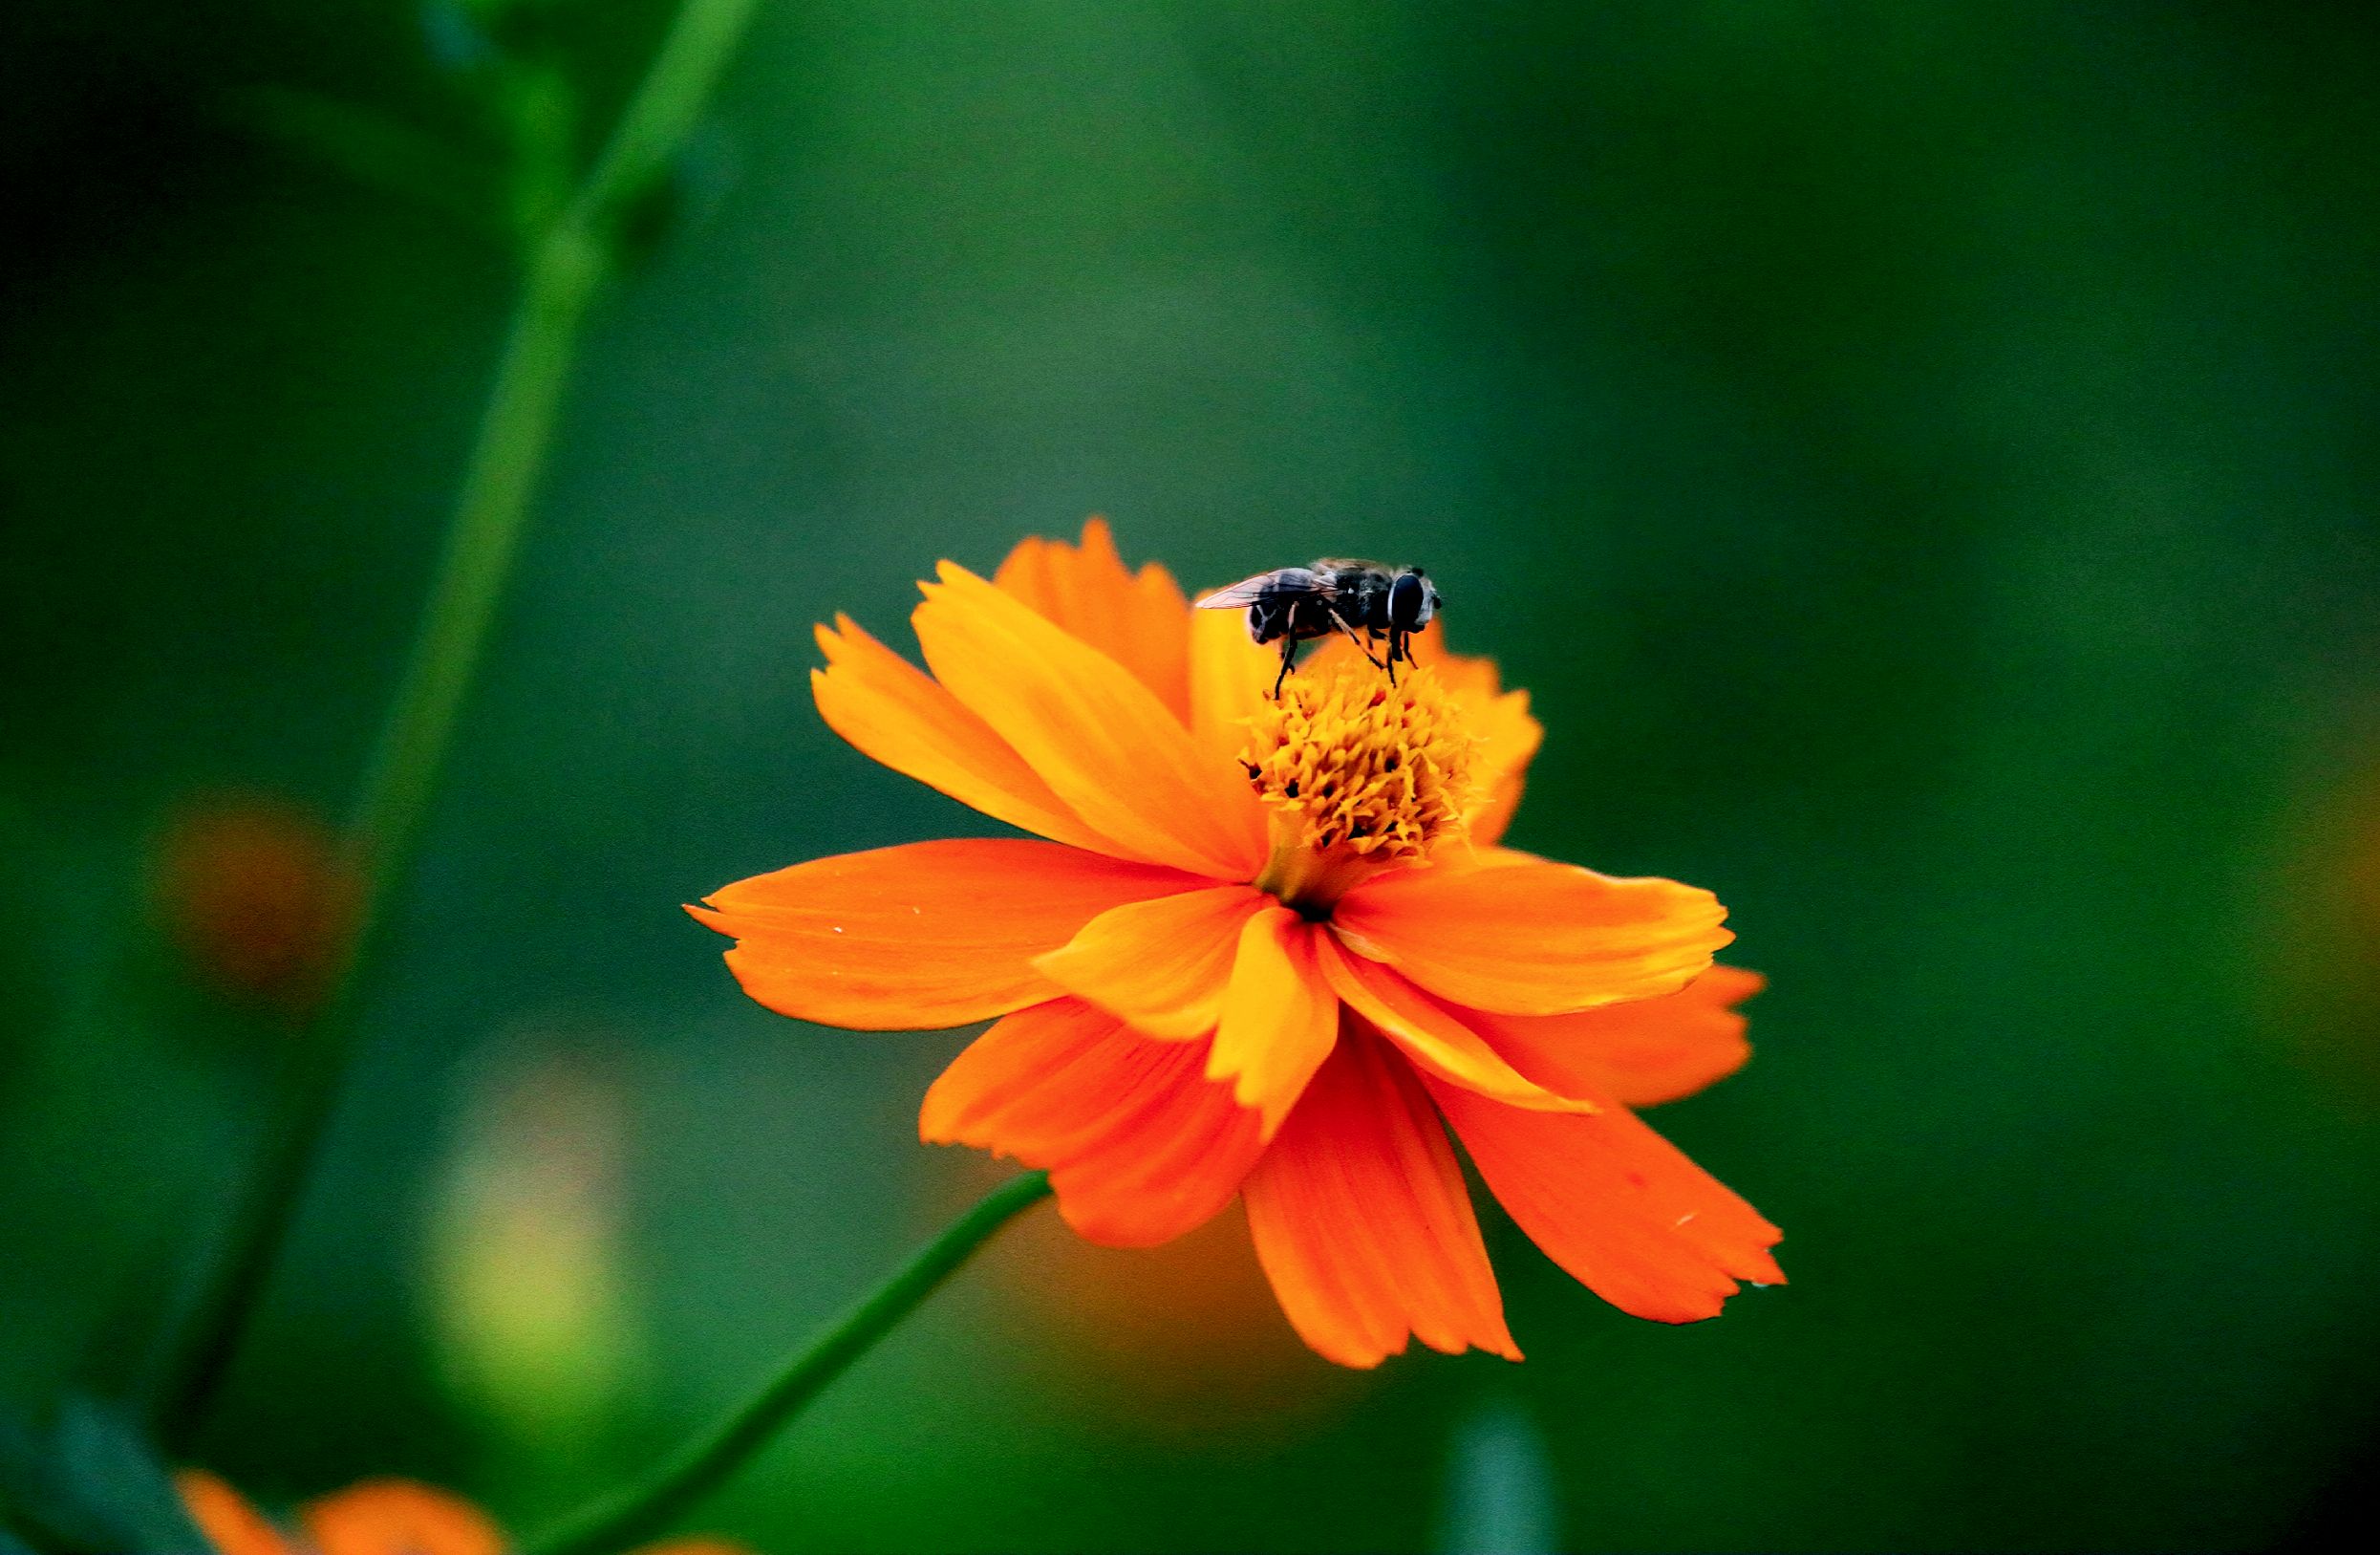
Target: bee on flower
(1267,946)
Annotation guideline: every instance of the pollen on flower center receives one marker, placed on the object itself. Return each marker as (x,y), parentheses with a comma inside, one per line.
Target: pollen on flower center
(1345,760)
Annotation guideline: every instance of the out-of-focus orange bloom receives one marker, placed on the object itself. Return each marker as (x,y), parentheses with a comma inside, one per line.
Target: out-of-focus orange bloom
(2361,887)
(1175,1344)
(259,899)
(1270,949)
(377,1517)
(2322,936)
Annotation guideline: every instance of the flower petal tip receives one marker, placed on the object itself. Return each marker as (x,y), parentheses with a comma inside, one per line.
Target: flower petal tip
(1250,1092)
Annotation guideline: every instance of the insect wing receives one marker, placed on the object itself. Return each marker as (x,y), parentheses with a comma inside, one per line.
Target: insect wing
(1289,582)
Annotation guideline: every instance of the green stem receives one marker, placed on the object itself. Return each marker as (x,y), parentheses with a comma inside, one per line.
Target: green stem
(657,119)
(565,271)
(489,519)
(698,1468)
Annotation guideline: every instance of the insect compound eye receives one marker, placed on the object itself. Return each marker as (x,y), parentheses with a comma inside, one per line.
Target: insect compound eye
(1410,602)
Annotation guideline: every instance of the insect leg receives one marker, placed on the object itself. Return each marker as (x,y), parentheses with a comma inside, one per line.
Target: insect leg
(1289,654)
(1340,621)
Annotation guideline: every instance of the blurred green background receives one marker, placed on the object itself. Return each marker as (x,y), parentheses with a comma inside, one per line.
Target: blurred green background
(1921,459)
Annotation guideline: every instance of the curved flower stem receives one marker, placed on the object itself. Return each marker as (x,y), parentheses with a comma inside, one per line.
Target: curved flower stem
(566,266)
(701,1466)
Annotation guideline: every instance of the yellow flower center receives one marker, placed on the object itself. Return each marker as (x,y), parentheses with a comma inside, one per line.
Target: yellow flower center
(1358,773)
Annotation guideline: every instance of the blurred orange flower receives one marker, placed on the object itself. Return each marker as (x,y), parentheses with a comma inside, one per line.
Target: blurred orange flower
(1270,949)
(257,895)
(1178,1344)
(377,1517)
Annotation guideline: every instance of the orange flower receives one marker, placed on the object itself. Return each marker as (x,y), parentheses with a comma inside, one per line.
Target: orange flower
(1270,949)
(378,1517)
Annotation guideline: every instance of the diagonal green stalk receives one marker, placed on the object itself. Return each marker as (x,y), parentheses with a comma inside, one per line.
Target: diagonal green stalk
(698,1468)
(567,267)
(562,278)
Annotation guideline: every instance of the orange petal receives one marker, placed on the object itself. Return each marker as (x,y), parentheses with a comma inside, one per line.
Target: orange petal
(927,934)
(396,1517)
(1491,812)
(1136,619)
(1098,737)
(1525,935)
(1230,678)
(1430,1034)
(1508,736)
(1641,1054)
(1508,740)
(1362,1220)
(232,1526)
(1279,1017)
(1617,1205)
(1161,964)
(895,713)
(1140,1146)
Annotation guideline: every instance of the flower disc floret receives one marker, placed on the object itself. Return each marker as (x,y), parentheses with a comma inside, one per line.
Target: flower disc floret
(1345,759)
